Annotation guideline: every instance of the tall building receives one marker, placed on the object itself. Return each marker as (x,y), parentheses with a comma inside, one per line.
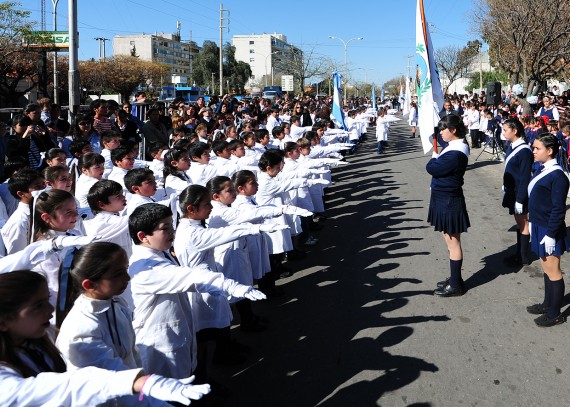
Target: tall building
(269,55)
(159,47)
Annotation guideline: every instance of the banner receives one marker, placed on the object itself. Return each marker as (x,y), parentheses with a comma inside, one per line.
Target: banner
(337,113)
(407,98)
(428,86)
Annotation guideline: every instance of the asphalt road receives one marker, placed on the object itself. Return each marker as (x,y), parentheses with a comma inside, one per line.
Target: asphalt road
(359,325)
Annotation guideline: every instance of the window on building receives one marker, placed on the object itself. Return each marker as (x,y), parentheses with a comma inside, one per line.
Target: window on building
(251,42)
(251,59)
(252,76)
(252,51)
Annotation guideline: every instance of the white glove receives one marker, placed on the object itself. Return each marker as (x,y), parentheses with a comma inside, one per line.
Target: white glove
(295,210)
(318,181)
(519,209)
(434,155)
(549,244)
(272,227)
(181,391)
(61,242)
(246,291)
(318,172)
(254,295)
(338,163)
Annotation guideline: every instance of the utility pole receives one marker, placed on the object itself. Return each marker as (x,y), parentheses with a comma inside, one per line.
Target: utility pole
(191,48)
(55,74)
(222,26)
(102,50)
(73,76)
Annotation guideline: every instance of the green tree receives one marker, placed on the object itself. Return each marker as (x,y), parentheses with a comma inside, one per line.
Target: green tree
(205,64)
(237,73)
(453,61)
(18,59)
(488,76)
(530,40)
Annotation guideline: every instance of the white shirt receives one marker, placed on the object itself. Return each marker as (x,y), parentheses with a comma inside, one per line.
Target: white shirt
(16,231)
(110,227)
(163,325)
(82,187)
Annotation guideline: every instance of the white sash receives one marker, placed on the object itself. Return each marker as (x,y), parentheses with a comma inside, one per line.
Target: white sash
(541,175)
(516,150)
(456,146)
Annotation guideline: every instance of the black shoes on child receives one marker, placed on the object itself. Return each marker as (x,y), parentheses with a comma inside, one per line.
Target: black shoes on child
(444,289)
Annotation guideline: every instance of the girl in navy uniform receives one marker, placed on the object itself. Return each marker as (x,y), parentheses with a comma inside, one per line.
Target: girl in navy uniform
(518,171)
(547,193)
(447,210)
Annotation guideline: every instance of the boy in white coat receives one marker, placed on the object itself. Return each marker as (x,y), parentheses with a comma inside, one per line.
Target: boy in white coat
(164,329)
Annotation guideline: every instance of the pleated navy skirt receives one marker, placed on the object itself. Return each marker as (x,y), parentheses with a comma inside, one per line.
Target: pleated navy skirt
(448,213)
(537,233)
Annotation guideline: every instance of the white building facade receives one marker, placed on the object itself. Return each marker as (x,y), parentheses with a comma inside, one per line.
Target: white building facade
(268,55)
(162,48)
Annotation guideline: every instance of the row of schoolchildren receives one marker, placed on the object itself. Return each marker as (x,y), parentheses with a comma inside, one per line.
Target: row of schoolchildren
(97,331)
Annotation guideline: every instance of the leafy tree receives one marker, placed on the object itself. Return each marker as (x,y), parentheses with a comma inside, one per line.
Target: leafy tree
(236,72)
(488,76)
(453,61)
(530,40)
(18,61)
(206,63)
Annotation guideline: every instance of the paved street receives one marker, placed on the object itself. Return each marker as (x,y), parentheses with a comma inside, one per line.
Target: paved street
(359,325)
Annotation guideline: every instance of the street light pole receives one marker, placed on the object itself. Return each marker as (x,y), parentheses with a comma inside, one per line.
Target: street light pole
(266,74)
(345,43)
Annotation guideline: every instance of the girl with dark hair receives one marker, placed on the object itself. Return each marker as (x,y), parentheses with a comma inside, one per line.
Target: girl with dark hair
(29,360)
(447,209)
(83,130)
(547,192)
(176,163)
(517,174)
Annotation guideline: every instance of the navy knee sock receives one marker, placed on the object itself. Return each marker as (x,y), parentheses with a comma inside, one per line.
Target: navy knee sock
(455,269)
(557,296)
(518,252)
(547,296)
(525,241)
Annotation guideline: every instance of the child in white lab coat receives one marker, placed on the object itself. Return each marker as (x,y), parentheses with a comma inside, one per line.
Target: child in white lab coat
(163,324)
(32,371)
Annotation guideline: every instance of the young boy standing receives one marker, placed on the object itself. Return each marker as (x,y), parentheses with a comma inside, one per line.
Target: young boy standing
(165,335)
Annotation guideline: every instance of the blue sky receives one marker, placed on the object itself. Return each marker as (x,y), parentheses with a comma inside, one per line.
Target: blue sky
(388,26)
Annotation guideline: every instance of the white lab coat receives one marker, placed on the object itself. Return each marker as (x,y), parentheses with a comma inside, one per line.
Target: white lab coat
(100,333)
(200,173)
(164,329)
(16,231)
(175,185)
(232,258)
(50,266)
(84,387)
(257,247)
(110,227)
(118,175)
(194,245)
(271,191)
(82,187)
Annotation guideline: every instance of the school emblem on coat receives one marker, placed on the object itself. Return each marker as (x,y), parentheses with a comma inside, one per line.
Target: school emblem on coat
(423,80)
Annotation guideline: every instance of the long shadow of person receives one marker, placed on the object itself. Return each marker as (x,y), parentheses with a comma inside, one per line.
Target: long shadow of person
(398,370)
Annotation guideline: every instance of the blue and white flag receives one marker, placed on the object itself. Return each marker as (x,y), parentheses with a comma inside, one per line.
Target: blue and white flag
(374,97)
(407,98)
(428,86)
(337,113)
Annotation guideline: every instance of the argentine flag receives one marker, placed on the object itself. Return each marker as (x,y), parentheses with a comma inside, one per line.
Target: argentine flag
(337,113)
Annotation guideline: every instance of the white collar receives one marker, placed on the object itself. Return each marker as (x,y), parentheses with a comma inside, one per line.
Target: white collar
(517,143)
(550,163)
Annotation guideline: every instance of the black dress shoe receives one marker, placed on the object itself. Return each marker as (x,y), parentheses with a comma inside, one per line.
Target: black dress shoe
(448,291)
(445,282)
(545,322)
(537,309)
